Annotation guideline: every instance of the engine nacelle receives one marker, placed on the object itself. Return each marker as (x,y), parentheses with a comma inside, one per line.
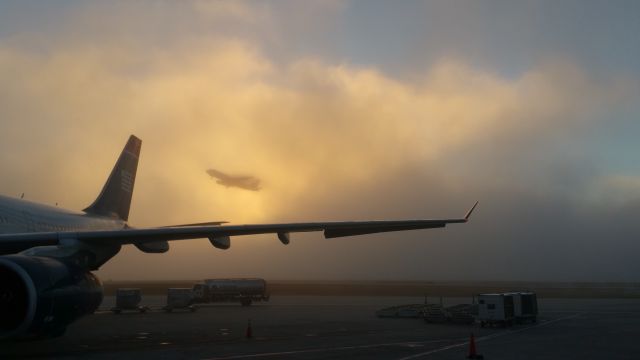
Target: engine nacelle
(40,296)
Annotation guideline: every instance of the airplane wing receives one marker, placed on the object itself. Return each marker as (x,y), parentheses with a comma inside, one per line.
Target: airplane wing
(219,234)
(199,224)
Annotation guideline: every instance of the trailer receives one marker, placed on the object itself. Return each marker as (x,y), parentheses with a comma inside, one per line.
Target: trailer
(128,299)
(244,291)
(462,313)
(402,311)
(525,306)
(529,307)
(435,314)
(179,298)
(496,309)
(432,313)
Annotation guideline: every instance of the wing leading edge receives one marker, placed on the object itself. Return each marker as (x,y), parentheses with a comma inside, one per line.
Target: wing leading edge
(213,232)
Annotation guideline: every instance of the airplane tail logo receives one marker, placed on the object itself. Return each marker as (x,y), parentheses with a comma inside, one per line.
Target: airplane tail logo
(115,198)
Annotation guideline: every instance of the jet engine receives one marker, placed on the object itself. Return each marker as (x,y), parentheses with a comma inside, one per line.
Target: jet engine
(40,296)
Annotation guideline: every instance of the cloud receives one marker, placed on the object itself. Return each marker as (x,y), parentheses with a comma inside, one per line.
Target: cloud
(332,141)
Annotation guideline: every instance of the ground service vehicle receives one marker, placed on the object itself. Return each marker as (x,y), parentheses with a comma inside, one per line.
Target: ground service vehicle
(496,309)
(244,291)
(525,306)
(179,298)
(128,299)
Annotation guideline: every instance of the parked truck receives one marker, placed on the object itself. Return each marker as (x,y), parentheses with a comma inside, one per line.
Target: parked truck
(244,291)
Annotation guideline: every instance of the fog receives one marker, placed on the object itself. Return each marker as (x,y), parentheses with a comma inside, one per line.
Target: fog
(331,139)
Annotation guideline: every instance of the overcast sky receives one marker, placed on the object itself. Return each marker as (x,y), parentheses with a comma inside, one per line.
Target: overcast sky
(346,110)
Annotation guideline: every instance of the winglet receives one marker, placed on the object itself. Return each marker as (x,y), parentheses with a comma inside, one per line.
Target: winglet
(466,217)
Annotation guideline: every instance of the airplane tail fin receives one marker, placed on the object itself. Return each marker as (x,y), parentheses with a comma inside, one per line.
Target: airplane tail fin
(115,198)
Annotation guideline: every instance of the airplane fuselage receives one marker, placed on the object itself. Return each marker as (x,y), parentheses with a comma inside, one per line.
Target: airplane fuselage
(21,216)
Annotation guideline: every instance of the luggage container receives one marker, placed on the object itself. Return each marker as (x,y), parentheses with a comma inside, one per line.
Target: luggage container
(435,314)
(179,298)
(128,299)
(462,313)
(525,306)
(496,309)
(402,311)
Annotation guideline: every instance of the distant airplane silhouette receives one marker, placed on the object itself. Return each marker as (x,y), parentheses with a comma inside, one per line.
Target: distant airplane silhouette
(238,181)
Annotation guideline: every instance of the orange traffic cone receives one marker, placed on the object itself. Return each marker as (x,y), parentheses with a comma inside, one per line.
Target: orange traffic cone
(249,333)
(472,349)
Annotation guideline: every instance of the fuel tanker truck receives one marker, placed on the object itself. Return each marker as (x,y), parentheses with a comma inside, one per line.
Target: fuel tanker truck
(244,291)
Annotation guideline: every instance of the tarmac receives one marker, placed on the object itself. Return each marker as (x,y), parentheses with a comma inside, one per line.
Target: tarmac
(331,327)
